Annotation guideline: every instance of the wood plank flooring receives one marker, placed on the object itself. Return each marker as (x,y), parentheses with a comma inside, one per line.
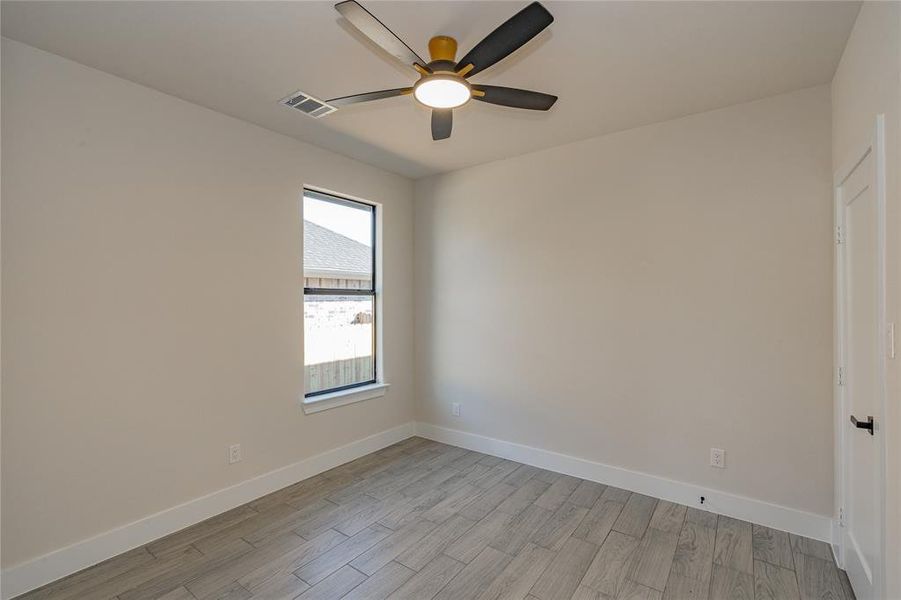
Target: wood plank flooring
(422,520)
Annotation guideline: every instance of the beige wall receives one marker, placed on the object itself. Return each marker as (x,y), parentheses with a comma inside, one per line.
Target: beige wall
(633,299)
(868,83)
(639,298)
(151,317)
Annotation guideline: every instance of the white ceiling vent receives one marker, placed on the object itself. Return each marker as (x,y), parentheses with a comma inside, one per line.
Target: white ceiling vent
(307,104)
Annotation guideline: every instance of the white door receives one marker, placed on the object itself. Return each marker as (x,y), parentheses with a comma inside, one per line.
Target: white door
(860,216)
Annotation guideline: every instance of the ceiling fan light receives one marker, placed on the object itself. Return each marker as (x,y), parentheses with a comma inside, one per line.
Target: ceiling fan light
(439,91)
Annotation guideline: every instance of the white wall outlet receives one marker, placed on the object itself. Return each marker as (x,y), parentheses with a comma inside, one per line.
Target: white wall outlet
(234,454)
(455,409)
(718,458)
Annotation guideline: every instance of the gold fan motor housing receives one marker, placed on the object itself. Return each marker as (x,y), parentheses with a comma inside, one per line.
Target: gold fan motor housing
(443,47)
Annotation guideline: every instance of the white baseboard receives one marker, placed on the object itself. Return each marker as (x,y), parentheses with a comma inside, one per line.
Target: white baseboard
(836,543)
(40,571)
(818,527)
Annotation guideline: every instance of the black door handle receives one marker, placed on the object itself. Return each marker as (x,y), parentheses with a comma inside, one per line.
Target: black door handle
(868,424)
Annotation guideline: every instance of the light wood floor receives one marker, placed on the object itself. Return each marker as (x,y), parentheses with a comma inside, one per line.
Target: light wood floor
(423,520)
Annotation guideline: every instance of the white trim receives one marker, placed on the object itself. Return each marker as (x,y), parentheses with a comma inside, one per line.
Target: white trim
(795,521)
(27,576)
(315,404)
(40,571)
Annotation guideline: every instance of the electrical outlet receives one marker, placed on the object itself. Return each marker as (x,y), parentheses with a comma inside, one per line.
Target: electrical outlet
(455,409)
(234,454)
(718,458)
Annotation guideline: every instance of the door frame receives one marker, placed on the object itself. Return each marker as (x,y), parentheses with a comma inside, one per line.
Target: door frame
(875,146)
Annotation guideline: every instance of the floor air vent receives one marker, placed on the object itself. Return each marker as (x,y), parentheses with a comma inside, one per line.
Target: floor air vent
(308,105)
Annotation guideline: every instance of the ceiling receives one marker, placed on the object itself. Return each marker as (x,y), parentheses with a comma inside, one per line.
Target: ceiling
(615,65)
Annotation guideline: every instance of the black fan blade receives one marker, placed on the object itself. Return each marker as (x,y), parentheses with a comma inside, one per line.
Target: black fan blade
(378,32)
(442,123)
(369,96)
(504,40)
(514,97)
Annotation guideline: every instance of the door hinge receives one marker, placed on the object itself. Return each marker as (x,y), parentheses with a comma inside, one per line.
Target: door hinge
(841,376)
(839,236)
(841,517)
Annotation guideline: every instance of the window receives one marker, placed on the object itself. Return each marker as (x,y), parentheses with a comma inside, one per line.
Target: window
(339,307)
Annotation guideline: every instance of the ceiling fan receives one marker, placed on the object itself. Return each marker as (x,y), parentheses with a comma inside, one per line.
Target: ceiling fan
(443,84)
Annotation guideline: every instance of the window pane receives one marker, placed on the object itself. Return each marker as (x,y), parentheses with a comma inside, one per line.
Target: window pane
(338,341)
(337,243)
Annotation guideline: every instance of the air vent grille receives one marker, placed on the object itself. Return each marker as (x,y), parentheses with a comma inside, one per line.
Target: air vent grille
(308,105)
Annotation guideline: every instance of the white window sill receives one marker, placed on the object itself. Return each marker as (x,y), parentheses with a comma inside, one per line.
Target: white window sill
(323,402)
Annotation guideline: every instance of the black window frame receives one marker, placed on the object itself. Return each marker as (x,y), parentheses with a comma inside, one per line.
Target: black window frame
(371,292)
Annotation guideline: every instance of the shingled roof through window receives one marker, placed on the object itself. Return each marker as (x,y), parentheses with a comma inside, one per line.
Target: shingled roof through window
(328,251)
